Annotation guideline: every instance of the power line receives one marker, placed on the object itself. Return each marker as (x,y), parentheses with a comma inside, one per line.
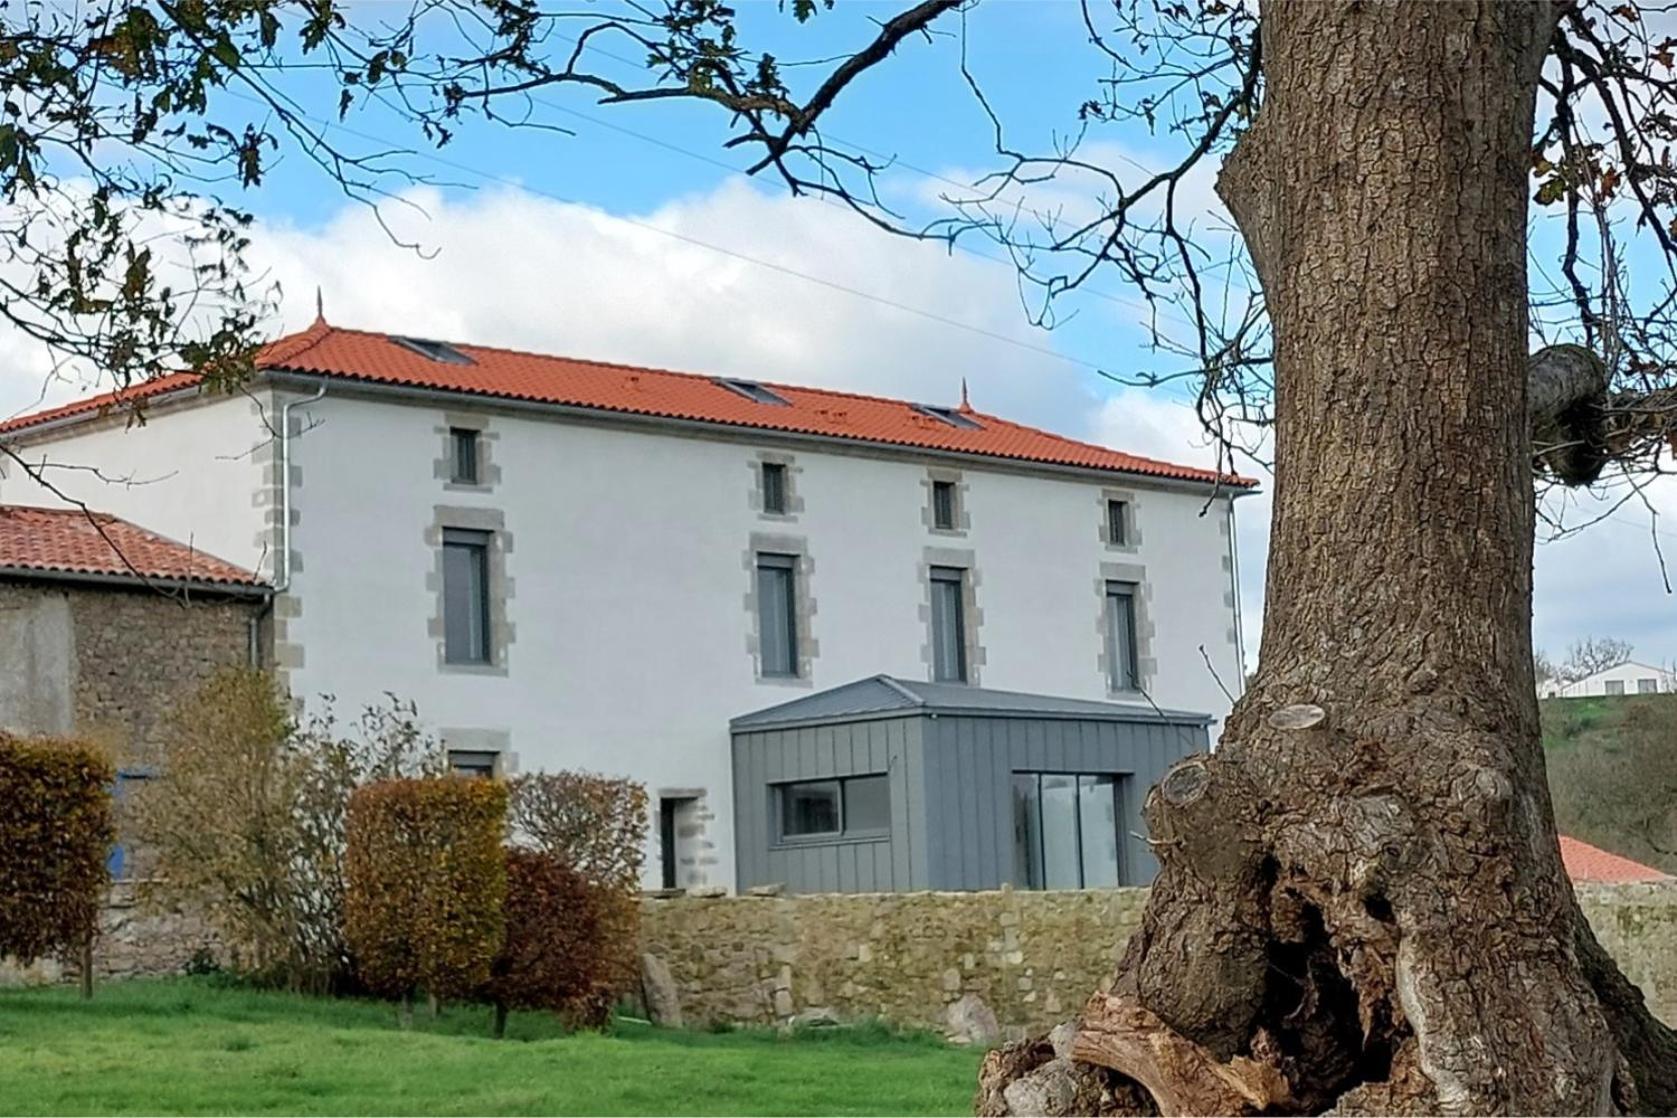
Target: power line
(782,269)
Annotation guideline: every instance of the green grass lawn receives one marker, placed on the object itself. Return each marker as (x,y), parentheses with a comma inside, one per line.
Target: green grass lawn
(188,1046)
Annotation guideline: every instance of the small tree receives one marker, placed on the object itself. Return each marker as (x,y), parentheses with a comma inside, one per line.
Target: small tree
(573,908)
(594,824)
(427,885)
(1591,655)
(55,833)
(247,821)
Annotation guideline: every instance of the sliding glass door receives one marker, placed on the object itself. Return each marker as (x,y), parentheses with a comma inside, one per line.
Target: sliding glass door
(1065,830)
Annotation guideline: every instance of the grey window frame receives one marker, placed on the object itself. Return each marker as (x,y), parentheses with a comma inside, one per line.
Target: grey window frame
(1123,646)
(1118,521)
(776,492)
(1608,685)
(753,391)
(474,762)
(1648,685)
(464,456)
(787,566)
(943,602)
(1035,876)
(844,833)
(946,513)
(477,543)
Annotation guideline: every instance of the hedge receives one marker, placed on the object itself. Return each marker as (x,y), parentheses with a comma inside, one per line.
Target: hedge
(56,832)
(570,943)
(426,884)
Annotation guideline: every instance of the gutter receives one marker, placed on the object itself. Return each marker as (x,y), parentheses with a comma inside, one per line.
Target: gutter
(136,582)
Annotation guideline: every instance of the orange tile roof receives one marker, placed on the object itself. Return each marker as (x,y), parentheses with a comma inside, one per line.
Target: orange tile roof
(73,542)
(1591,863)
(510,374)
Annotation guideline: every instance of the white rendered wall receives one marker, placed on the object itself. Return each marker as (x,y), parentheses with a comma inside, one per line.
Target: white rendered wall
(192,473)
(629,573)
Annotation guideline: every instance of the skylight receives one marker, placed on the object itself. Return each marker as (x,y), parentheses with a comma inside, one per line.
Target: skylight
(753,391)
(949,416)
(441,352)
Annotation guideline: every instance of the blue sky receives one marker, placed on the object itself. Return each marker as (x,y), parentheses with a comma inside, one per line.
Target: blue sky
(595,244)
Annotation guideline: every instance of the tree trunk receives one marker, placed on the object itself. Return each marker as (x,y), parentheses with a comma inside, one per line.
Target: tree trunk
(1361,904)
(500,1027)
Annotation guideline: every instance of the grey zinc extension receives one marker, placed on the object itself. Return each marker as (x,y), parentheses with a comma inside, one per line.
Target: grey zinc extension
(951,752)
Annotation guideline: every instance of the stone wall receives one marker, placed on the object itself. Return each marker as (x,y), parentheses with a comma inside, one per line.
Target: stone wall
(110,663)
(135,941)
(139,653)
(1031,957)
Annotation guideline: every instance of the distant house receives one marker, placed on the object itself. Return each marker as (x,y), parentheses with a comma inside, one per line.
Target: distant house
(1629,678)
(574,564)
(1584,862)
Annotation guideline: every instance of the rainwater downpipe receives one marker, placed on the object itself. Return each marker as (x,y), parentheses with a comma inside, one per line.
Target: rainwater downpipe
(282,561)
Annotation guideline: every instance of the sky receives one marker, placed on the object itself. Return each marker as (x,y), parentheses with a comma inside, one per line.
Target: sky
(635,238)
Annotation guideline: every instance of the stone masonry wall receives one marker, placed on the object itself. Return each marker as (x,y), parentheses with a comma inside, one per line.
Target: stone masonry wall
(138,654)
(1032,957)
(135,941)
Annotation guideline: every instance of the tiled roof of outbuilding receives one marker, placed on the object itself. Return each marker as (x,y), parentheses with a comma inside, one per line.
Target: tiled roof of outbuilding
(1591,863)
(69,542)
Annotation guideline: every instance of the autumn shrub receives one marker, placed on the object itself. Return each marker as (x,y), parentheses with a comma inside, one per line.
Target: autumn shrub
(573,907)
(570,942)
(55,834)
(427,884)
(246,820)
(594,824)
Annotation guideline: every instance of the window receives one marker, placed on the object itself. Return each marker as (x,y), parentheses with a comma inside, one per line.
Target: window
(950,416)
(943,505)
(774,488)
(1647,686)
(1117,523)
(1065,830)
(1614,687)
(472,762)
(777,614)
(1122,673)
(441,352)
(858,806)
(466,597)
(949,626)
(463,456)
(754,392)
(126,861)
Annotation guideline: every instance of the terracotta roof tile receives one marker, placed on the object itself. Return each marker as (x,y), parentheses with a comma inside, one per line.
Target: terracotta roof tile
(1591,863)
(71,542)
(514,375)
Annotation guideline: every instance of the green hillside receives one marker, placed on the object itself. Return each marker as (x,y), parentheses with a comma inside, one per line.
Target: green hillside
(1613,773)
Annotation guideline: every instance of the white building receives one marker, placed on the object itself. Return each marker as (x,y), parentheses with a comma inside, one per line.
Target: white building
(583,565)
(1629,678)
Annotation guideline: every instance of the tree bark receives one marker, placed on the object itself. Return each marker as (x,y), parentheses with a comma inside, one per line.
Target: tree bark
(1361,892)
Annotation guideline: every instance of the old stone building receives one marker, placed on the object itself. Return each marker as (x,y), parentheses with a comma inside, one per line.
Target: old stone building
(105,625)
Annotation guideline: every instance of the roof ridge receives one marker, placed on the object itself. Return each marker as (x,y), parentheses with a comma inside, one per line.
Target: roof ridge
(664,370)
(902,689)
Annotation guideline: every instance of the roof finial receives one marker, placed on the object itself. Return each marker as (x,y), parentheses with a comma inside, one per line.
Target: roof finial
(319,307)
(966,404)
